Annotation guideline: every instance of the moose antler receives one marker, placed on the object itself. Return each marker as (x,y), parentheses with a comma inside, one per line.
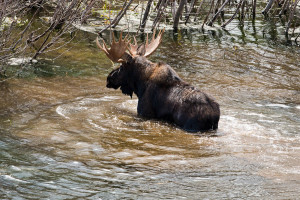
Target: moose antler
(117,51)
(133,48)
(148,48)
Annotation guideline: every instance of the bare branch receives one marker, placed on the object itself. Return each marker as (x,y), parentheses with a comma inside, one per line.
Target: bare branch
(210,23)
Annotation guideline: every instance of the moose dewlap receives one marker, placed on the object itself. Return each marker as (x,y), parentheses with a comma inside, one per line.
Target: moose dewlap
(161,93)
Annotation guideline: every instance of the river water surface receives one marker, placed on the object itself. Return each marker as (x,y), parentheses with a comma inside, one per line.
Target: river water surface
(68,137)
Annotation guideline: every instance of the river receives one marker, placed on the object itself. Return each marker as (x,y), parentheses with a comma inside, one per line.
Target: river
(65,136)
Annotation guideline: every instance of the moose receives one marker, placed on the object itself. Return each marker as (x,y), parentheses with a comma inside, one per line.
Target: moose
(161,93)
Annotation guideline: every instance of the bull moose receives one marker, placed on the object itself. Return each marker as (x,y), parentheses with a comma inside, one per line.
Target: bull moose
(161,93)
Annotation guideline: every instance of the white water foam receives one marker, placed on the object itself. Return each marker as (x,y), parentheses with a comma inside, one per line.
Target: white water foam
(109,98)
(60,110)
(10,178)
(19,61)
(278,105)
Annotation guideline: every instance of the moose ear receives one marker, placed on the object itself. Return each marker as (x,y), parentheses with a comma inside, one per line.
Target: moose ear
(141,50)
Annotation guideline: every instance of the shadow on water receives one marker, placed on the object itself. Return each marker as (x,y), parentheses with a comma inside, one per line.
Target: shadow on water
(64,135)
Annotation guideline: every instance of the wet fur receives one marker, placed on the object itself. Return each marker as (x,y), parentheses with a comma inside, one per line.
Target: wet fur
(164,95)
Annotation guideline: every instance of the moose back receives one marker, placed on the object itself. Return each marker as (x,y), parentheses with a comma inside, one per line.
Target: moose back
(161,93)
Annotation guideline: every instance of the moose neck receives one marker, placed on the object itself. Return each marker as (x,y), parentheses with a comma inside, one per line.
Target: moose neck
(142,69)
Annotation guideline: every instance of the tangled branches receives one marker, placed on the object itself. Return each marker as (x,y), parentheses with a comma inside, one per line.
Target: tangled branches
(23,32)
(207,12)
(29,29)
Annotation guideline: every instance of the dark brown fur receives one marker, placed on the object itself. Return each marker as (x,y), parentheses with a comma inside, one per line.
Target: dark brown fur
(164,95)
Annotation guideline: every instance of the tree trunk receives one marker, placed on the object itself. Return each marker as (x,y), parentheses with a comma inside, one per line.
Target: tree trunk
(233,16)
(217,13)
(179,13)
(253,9)
(198,10)
(143,24)
(210,9)
(267,8)
(283,9)
(291,17)
(123,13)
(116,19)
(190,10)
(159,14)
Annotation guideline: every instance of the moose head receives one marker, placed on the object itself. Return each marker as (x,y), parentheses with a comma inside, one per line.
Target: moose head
(161,92)
(131,62)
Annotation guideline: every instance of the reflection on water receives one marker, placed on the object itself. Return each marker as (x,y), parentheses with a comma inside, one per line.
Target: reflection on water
(70,137)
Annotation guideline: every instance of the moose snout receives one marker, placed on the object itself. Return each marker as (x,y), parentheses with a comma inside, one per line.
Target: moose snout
(111,85)
(108,85)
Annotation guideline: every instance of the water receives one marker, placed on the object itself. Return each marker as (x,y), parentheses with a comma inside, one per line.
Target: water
(69,137)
